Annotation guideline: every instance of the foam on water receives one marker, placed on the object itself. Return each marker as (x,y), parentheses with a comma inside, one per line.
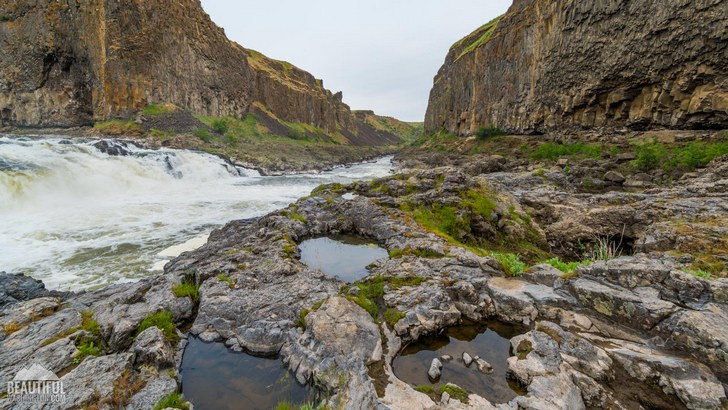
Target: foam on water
(78,218)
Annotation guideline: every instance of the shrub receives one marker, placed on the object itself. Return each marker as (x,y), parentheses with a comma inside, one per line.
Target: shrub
(512,264)
(162,320)
(203,134)
(172,400)
(220,126)
(649,156)
(485,133)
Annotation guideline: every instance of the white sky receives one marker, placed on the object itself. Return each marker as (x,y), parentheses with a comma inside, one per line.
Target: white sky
(383,54)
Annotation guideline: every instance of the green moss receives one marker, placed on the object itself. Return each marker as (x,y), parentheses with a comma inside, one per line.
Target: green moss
(392,316)
(371,290)
(203,134)
(409,251)
(162,320)
(455,392)
(174,401)
(87,346)
(426,388)
(298,217)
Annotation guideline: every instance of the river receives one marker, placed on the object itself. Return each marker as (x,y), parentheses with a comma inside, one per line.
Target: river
(78,218)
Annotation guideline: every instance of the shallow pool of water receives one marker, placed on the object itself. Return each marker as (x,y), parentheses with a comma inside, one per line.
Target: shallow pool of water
(489,340)
(214,377)
(343,256)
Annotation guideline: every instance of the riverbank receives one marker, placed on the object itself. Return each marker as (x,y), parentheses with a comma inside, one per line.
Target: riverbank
(619,304)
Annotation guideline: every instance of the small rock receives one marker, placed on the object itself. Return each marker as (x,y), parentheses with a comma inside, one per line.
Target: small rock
(562,162)
(435,369)
(626,156)
(446,358)
(445,399)
(467,359)
(483,366)
(614,176)
(151,347)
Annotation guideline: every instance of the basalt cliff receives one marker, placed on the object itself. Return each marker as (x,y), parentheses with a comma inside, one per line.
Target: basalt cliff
(569,65)
(71,63)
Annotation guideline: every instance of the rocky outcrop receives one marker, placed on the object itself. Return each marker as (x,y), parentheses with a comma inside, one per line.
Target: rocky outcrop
(556,65)
(68,63)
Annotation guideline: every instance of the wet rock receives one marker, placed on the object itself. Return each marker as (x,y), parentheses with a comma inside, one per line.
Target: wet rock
(151,347)
(446,358)
(467,359)
(18,287)
(435,370)
(113,148)
(483,366)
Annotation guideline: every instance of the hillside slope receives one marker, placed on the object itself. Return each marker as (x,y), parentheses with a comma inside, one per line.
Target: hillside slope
(568,64)
(70,63)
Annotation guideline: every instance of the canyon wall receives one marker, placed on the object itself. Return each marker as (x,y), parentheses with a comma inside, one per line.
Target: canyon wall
(549,65)
(74,62)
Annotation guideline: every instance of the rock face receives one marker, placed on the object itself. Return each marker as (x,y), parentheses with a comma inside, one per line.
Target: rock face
(72,63)
(556,65)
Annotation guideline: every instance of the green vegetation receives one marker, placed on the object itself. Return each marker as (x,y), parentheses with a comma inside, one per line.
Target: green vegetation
(295,215)
(566,267)
(91,344)
(220,125)
(455,392)
(159,109)
(604,250)
(476,39)
(4,18)
(172,400)
(700,273)
(155,133)
(203,134)
(162,320)
(669,157)
(86,346)
(485,133)
(285,405)
(371,291)
(188,288)
(512,263)
(118,127)
(409,251)
(552,151)
(392,316)
(225,278)
(425,388)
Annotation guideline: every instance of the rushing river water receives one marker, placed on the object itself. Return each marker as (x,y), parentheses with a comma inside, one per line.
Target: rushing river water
(78,218)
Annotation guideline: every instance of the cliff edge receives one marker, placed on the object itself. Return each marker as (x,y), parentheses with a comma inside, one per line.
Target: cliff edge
(568,64)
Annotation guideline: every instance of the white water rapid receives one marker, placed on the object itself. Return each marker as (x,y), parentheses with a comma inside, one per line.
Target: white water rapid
(78,218)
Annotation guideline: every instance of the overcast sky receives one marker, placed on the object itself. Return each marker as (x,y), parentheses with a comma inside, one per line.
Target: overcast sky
(382,54)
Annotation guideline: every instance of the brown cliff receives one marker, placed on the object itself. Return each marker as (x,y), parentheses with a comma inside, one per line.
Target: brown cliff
(569,64)
(69,63)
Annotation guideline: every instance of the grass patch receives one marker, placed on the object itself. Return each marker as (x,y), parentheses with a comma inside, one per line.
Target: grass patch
(225,278)
(118,127)
(700,273)
(372,290)
(551,151)
(479,37)
(512,263)
(159,109)
(187,289)
(162,320)
(220,126)
(159,134)
(566,267)
(409,251)
(689,157)
(203,134)
(489,132)
(455,392)
(392,316)
(172,400)
(87,346)
(425,388)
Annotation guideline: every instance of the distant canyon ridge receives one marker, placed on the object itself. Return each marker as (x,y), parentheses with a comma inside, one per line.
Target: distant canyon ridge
(72,63)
